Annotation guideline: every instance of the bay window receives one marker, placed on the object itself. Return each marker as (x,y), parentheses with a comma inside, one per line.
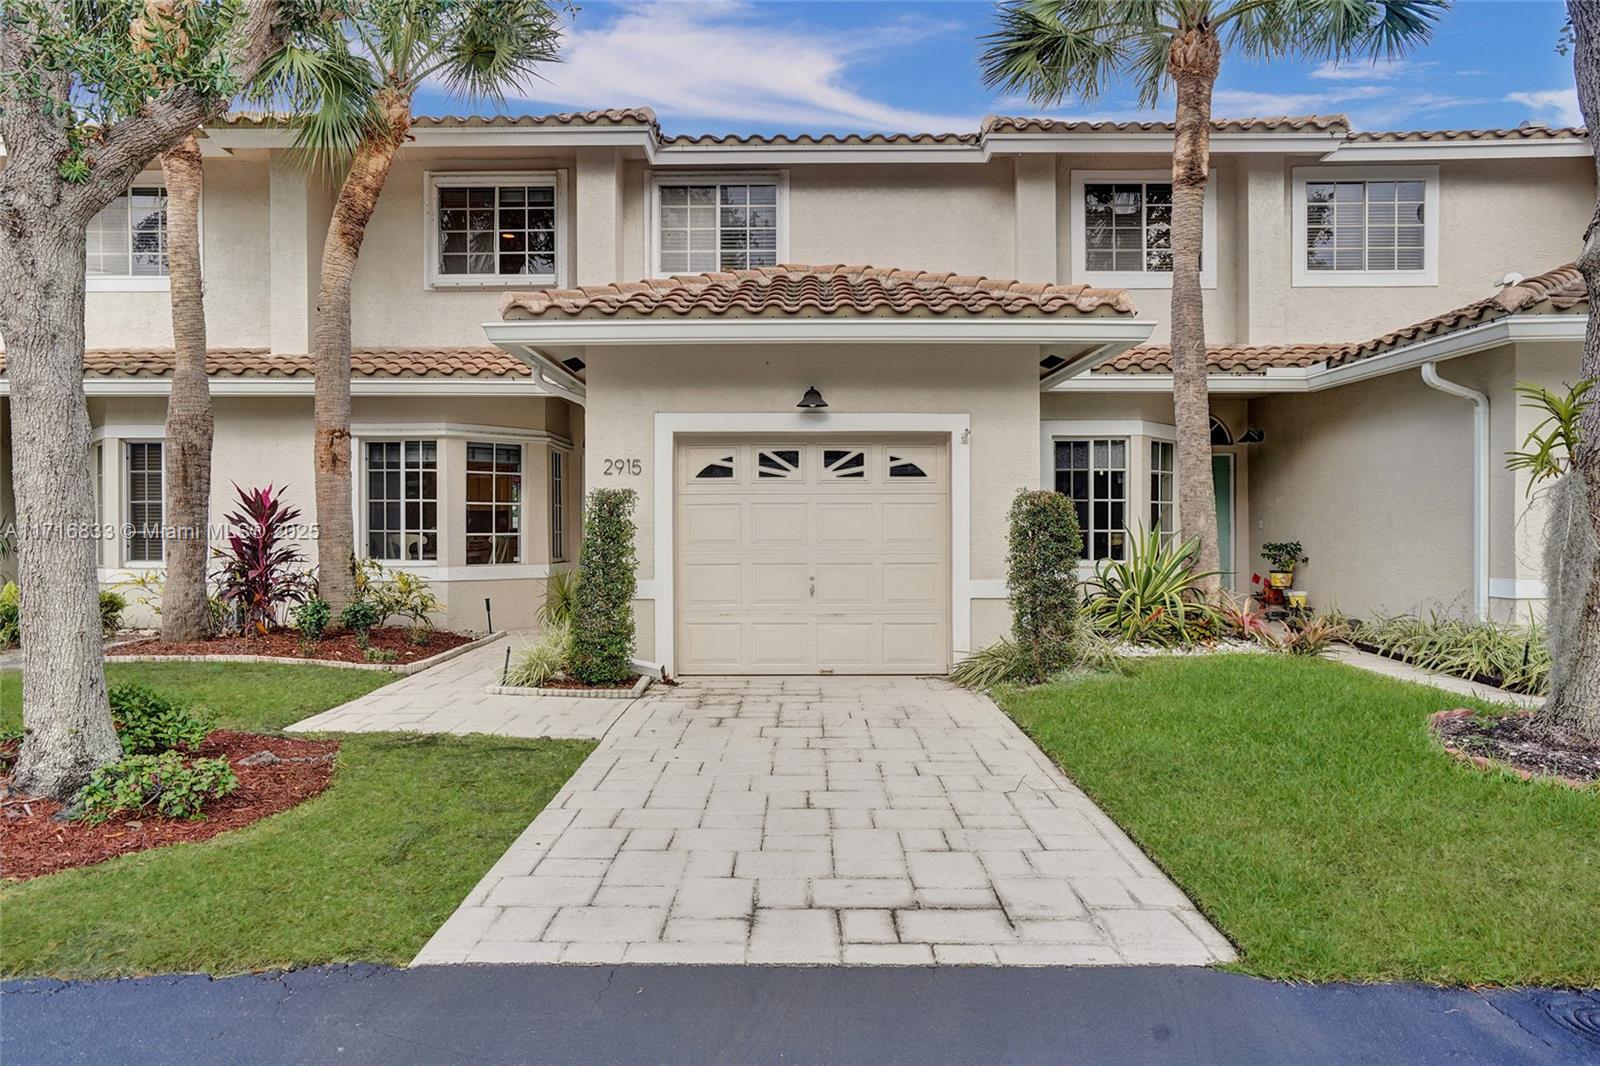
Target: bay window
(494,503)
(1093,472)
(403,500)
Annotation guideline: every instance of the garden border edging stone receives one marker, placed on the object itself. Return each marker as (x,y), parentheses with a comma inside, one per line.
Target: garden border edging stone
(1483,762)
(643,682)
(400,669)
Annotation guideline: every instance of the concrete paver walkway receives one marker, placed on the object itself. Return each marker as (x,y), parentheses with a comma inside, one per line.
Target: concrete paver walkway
(450,698)
(811,820)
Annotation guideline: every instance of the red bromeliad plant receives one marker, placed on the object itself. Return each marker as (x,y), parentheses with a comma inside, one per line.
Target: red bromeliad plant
(262,573)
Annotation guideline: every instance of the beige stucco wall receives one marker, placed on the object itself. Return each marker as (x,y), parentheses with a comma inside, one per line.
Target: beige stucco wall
(997,387)
(234,257)
(1375,479)
(267,440)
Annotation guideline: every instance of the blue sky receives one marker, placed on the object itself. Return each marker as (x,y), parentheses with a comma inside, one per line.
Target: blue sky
(771,66)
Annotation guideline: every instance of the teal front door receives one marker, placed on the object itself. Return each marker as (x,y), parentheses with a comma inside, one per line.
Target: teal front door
(1222,481)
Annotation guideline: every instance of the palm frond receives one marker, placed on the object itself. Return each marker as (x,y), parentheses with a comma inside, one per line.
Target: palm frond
(1343,29)
(1053,49)
(329,91)
(494,45)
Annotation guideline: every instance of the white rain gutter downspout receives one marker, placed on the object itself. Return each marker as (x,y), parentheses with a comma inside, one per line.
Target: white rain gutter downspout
(1480,481)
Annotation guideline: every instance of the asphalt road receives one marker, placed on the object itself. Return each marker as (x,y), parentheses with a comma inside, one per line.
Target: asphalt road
(746,1014)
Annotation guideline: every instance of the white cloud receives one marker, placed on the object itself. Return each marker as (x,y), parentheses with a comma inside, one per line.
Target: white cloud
(1559,107)
(732,63)
(1361,70)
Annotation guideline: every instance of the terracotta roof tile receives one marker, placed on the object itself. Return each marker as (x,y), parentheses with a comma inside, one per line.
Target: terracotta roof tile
(261,363)
(615,116)
(1271,124)
(1520,133)
(1222,358)
(816,290)
(1558,290)
(1561,289)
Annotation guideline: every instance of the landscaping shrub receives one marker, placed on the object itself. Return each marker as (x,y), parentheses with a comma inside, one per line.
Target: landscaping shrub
(542,660)
(10,615)
(398,593)
(560,599)
(261,570)
(111,607)
(1151,597)
(174,788)
(1519,656)
(1313,636)
(149,722)
(602,621)
(311,618)
(1042,574)
(360,617)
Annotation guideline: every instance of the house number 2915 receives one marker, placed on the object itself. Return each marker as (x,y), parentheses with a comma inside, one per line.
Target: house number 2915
(619,467)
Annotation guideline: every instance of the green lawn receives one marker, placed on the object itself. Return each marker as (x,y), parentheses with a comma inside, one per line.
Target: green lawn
(1302,804)
(366,871)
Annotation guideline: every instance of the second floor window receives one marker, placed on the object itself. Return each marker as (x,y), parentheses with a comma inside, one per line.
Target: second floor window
(1365,225)
(1128,226)
(403,500)
(128,238)
(494,503)
(494,230)
(715,225)
(145,503)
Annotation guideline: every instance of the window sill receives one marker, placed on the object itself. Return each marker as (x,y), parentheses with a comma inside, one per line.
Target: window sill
(1135,279)
(161,284)
(1348,279)
(491,284)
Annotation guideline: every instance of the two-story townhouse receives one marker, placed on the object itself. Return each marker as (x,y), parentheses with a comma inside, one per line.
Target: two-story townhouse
(824,455)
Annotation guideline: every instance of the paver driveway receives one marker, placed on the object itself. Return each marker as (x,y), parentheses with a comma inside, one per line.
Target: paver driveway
(822,820)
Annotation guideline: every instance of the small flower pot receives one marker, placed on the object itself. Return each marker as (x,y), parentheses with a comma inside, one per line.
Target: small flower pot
(1281,579)
(1297,599)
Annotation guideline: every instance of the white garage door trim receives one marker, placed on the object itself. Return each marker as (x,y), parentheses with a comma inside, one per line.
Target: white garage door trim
(956,427)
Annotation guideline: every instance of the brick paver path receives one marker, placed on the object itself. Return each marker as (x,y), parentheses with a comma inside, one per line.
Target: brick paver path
(450,698)
(822,820)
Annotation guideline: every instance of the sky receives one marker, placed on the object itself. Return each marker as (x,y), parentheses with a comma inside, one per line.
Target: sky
(799,66)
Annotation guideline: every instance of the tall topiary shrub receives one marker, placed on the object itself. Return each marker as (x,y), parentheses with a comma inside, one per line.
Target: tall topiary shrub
(1042,574)
(602,621)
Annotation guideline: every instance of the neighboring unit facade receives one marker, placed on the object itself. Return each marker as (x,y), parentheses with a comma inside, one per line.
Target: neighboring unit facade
(546,305)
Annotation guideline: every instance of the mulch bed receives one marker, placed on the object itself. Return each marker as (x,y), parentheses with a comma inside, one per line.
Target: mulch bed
(1511,741)
(285,644)
(33,843)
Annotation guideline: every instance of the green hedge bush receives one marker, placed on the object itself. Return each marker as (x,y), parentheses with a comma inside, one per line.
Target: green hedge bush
(1042,574)
(149,722)
(112,605)
(137,782)
(602,620)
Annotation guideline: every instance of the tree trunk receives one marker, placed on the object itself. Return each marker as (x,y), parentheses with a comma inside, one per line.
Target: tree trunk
(66,720)
(189,418)
(1573,707)
(358,197)
(1193,61)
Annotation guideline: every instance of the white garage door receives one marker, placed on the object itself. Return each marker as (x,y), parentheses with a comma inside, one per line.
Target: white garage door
(816,556)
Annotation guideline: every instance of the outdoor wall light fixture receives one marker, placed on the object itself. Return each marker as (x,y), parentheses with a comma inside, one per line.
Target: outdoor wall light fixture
(812,400)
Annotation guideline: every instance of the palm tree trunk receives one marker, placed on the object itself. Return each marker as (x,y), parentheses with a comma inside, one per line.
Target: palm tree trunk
(66,720)
(1573,707)
(189,419)
(358,198)
(1193,61)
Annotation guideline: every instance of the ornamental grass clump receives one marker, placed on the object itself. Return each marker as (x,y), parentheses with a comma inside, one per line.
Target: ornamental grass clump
(1042,575)
(1518,656)
(1154,595)
(602,619)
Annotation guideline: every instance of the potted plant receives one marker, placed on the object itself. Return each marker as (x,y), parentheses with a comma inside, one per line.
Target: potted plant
(1282,557)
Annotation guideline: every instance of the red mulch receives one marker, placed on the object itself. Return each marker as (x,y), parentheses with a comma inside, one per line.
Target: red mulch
(1514,742)
(285,644)
(32,843)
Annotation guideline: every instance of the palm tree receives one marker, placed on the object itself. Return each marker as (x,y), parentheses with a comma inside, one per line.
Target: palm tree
(477,49)
(190,424)
(1052,49)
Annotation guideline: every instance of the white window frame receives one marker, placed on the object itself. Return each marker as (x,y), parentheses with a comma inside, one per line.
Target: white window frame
(559,462)
(144,282)
(522,504)
(1155,500)
(1302,276)
(1128,499)
(364,499)
(1137,279)
(124,540)
(659,178)
(433,181)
